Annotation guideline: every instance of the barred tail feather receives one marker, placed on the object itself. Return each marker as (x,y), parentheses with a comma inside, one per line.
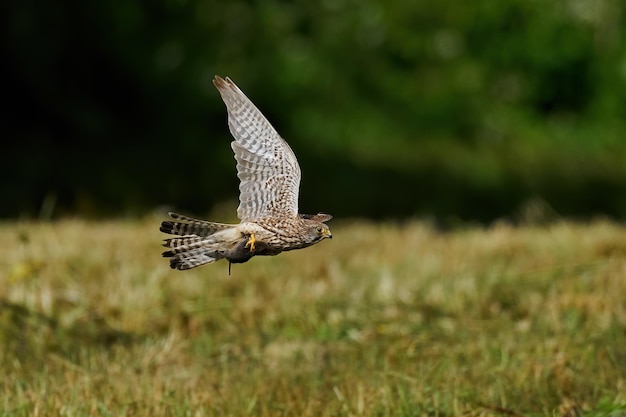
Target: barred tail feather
(199,242)
(184,226)
(185,243)
(192,258)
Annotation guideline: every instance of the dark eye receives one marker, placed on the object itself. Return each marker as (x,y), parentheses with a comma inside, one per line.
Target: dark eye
(318,229)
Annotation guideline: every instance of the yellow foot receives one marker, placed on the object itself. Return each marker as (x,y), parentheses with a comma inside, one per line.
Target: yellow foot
(251,243)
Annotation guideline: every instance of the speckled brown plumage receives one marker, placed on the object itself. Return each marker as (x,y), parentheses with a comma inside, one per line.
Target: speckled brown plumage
(269,177)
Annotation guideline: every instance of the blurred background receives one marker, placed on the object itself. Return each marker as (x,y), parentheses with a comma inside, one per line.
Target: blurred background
(454,111)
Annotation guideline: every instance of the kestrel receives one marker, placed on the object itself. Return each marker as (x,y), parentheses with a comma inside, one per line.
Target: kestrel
(269,177)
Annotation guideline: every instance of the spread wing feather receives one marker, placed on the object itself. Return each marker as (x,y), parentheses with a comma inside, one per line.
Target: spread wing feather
(267,168)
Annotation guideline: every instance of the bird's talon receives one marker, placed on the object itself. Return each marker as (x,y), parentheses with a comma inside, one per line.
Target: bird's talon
(251,243)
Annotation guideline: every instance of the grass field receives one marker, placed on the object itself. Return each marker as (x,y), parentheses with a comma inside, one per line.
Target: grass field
(384,320)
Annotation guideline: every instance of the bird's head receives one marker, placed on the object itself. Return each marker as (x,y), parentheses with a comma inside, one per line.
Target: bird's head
(317,229)
(322,231)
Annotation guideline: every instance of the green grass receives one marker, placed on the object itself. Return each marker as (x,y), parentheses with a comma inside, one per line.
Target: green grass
(384,320)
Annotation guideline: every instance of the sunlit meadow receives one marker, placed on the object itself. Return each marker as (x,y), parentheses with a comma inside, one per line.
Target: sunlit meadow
(386,319)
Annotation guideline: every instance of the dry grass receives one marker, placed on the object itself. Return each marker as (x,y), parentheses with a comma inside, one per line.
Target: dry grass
(384,320)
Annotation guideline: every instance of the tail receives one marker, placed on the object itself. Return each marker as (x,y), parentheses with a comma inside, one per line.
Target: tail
(197,246)
(188,226)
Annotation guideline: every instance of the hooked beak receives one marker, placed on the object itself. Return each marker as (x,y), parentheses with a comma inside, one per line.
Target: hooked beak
(328,234)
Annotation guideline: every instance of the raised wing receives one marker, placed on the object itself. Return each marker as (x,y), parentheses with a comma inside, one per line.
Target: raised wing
(267,168)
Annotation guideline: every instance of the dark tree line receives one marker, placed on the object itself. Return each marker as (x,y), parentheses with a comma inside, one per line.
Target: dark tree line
(395,109)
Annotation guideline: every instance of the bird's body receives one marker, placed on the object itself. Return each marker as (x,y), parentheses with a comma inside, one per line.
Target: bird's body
(269,185)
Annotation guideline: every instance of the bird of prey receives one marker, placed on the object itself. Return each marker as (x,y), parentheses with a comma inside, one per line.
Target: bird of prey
(269,177)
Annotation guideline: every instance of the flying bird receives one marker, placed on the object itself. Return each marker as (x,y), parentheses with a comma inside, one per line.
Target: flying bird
(269,177)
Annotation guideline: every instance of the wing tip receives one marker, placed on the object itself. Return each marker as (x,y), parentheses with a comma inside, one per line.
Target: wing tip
(224,83)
